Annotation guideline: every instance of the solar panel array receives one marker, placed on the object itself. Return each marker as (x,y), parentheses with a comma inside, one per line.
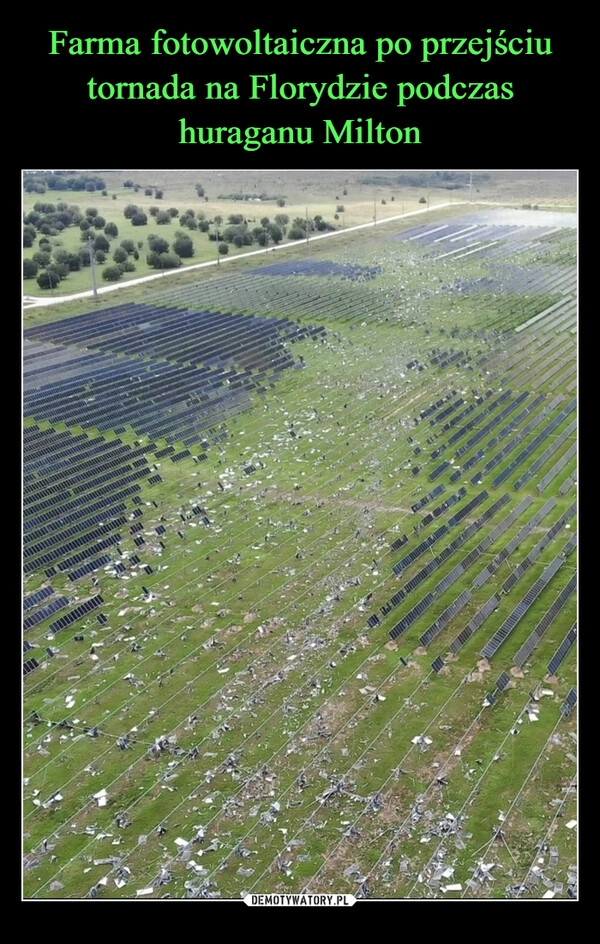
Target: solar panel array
(406,621)
(520,610)
(76,614)
(482,614)
(562,650)
(548,618)
(569,702)
(36,597)
(44,613)
(348,270)
(444,618)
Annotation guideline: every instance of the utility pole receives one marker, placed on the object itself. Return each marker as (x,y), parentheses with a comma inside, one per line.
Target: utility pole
(93,270)
(306,211)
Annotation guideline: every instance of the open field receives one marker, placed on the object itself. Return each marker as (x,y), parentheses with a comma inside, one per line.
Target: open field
(300,542)
(305,194)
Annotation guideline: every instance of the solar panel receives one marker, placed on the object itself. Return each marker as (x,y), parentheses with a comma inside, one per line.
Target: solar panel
(437,664)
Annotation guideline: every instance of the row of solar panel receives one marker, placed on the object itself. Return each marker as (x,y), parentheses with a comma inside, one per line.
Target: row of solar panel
(482,614)
(514,542)
(406,621)
(444,618)
(438,490)
(44,613)
(61,450)
(525,453)
(440,509)
(62,521)
(546,454)
(95,457)
(91,537)
(106,521)
(29,666)
(436,406)
(517,437)
(534,637)
(76,614)
(491,424)
(49,516)
(90,567)
(519,611)
(66,500)
(88,552)
(556,468)
(36,597)
(477,419)
(420,549)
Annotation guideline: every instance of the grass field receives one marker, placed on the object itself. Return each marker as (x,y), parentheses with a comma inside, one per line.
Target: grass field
(306,671)
(305,194)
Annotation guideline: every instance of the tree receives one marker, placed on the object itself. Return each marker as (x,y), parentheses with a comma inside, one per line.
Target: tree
(48,279)
(183,246)
(100,256)
(27,239)
(139,219)
(153,211)
(85,225)
(99,222)
(163,260)
(422,200)
(128,184)
(234,218)
(157,243)
(159,194)
(204,226)
(91,212)
(101,242)
(111,273)
(262,237)
(173,211)
(275,233)
(148,192)
(163,217)
(30,269)
(281,202)
(282,219)
(340,208)
(223,249)
(296,233)
(218,220)
(200,190)
(128,245)
(42,259)
(120,254)
(130,211)
(112,230)
(61,269)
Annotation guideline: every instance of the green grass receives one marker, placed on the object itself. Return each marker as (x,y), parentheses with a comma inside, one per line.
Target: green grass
(292,614)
